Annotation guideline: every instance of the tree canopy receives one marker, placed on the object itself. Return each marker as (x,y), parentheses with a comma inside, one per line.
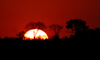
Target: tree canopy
(35,25)
(76,25)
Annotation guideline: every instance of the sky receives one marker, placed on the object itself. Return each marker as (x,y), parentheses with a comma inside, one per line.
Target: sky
(15,14)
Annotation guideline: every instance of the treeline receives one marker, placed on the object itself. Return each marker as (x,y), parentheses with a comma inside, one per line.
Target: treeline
(76,26)
(83,37)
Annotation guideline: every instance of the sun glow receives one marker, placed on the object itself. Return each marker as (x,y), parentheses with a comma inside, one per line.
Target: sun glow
(35,34)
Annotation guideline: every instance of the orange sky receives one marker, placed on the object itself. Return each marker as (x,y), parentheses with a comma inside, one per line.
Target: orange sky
(15,14)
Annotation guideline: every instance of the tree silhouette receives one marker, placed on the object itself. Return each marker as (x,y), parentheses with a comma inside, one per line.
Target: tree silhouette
(76,25)
(35,25)
(56,28)
(21,34)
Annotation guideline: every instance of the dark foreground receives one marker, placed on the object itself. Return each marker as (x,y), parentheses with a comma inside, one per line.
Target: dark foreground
(52,47)
(50,43)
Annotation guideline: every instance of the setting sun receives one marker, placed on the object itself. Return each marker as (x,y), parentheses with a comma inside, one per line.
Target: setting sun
(35,34)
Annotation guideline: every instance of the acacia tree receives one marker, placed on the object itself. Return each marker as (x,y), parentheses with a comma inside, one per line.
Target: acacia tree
(76,25)
(56,28)
(35,25)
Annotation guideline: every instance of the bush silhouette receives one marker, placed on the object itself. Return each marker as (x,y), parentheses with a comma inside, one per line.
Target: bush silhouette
(20,34)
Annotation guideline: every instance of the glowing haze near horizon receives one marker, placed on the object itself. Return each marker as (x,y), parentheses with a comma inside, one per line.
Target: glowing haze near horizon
(15,14)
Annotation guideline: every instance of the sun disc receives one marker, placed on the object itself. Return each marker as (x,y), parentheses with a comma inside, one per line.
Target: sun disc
(35,34)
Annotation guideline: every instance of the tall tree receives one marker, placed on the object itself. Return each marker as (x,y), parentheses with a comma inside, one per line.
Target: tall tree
(56,28)
(35,25)
(76,25)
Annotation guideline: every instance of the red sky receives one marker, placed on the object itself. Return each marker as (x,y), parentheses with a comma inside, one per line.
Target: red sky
(15,14)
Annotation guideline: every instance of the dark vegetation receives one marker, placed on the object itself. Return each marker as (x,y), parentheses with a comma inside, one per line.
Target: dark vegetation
(84,37)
